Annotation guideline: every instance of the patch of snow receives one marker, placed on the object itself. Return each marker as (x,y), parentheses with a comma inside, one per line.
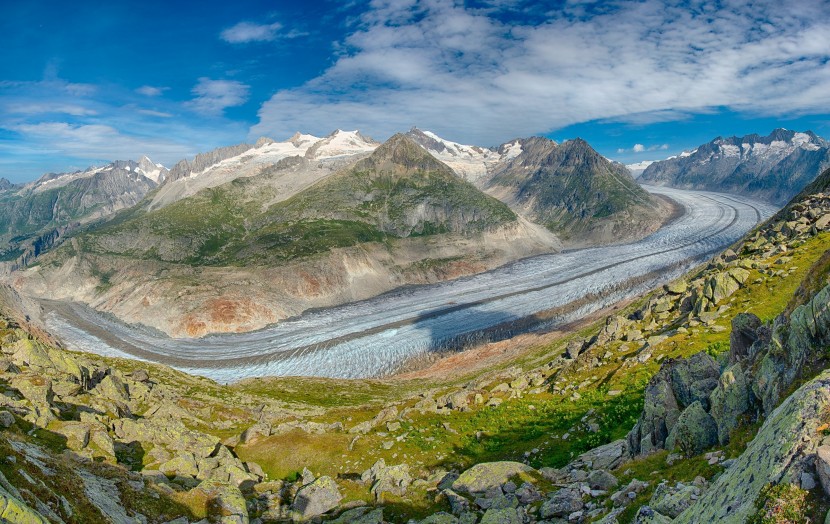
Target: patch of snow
(804,141)
(513,150)
(730,150)
(343,143)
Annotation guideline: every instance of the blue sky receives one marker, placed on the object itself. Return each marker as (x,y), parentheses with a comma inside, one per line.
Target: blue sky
(83,83)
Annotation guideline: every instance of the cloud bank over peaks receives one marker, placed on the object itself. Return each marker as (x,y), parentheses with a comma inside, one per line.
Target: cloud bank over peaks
(478,75)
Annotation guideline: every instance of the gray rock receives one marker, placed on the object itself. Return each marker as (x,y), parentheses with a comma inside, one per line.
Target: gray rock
(317,498)
(458,503)
(823,467)
(528,494)
(695,431)
(807,481)
(607,457)
(562,503)
(694,378)
(671,502)
(393,479)
(647,515)
(744,335)
(440,518)
(6,419)
(601,479)
(729,401)
(781,450)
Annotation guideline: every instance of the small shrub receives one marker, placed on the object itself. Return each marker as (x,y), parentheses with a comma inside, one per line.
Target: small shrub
(781,504)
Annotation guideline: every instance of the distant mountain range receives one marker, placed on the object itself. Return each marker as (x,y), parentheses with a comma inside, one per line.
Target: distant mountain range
(774,167)
(35,215)
(256,233)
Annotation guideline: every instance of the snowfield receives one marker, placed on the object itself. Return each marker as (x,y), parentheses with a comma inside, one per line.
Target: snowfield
(375,337)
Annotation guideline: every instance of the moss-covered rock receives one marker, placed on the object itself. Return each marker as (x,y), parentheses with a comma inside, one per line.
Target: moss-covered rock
(487,475)
(15,511)
(729,401)
(780,452)
(695,431)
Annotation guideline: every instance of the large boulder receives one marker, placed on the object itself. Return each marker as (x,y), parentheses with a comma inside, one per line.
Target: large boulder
(317,498)
(648,515)
(607,456)
(660,414)
(226,504)
(695,431)
(694,378)
(795,345)
(729,401)
(677,385)
(392,479)
(488,475)
(783,449)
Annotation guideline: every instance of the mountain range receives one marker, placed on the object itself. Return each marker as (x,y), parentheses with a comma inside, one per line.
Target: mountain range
(774,167)
(315,222)
(33,216)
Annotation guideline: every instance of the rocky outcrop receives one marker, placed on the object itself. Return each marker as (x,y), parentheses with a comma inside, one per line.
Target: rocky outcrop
(783,449)
(678,385)
(694,431)
(202,161)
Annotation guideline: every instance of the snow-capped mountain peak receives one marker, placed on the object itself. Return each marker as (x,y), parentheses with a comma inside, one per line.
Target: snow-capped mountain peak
(469,162)
(341,143)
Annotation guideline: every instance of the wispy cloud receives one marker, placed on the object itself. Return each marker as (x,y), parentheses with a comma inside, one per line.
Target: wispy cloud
(214,96)
(472,77)
(640,148)
(244,32)
(54,125)
(97,141)
(151,90)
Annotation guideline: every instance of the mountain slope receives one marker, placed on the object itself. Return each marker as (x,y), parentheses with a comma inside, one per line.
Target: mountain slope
(575,192)
(774,167)
(39,212)
(246,256)
(224,165)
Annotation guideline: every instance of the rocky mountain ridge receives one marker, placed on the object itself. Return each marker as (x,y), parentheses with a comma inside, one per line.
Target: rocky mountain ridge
(775,167)
(33,217)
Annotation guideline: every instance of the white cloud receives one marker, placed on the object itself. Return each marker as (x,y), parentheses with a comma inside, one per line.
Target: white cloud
(213,96)
(244,32)
(151,90)
(640,148)
(465,74)
(96,141)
